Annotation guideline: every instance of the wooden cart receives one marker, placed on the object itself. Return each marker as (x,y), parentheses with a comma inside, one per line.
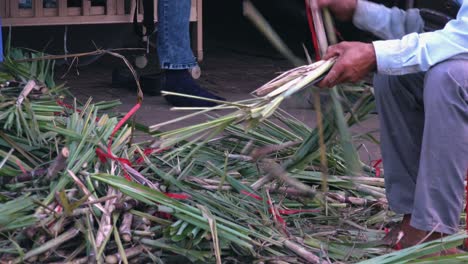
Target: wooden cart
(112,11)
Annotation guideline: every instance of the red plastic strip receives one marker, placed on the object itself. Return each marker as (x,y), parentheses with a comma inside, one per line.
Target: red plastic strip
(103,156)
(310,21)
(120,124)
(164,215)
(68,106)
(178,196)
(276,215)
(466,210)
(397,245)
(297,211)
(21,167)
(278,218)
(275,212)
(58,209)
(148,152)
(253,195)
(376,165)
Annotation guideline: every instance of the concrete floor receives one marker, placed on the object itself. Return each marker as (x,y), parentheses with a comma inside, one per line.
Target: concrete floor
(229,73)
(238,59)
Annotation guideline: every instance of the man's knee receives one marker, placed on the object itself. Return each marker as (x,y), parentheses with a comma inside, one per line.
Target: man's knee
(402,87)
(446,83)
(384,85)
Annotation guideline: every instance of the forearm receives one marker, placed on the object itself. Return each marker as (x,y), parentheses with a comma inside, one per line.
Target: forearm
(386,23)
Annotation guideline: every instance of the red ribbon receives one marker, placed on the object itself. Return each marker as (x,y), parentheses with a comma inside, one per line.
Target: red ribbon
(103,156)
(68,106)
(178,196)
(253,195)
(271,210)
(297,211)
(310,21)
(397,245)
(21,167)
(148,152)
(466,210)
(375,164)
(278,212)
(164,215)
(277,215)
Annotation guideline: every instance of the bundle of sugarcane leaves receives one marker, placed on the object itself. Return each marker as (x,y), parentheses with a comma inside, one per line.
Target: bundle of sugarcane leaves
(252,181)
(240,188)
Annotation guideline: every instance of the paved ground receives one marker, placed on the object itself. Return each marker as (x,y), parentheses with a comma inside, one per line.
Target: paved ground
(229,73)
(237,61)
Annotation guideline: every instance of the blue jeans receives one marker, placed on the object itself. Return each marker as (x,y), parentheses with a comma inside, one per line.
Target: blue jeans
(1,41)
(173,41)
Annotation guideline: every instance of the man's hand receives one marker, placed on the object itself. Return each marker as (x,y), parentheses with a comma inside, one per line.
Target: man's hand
(342,9)
(354,61)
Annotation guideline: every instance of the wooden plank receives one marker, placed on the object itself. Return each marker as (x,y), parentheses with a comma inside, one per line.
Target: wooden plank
(87,15)
(48,12)
(111,7)
(74,11)
(194,11)
(66,20)
(97,10)
(94,11)
(155,11)
(22,12)
(7,8)
(132,7)
(62,8)
(199,20)
(140,7)
(85,7)
(120,7)
(3,8)
(14,8)
(38,6)
(199,37)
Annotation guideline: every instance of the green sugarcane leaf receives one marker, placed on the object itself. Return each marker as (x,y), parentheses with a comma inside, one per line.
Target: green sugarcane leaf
(353,164)
(413,253)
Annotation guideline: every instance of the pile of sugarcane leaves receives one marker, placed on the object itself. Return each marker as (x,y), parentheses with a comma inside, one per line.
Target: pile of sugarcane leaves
(245,187)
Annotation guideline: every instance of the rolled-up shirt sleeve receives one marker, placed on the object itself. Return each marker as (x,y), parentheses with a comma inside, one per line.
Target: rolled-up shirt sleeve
(386,23)
(405,50)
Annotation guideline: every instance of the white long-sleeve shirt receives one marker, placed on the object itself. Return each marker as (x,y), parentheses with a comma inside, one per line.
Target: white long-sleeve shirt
(405,48)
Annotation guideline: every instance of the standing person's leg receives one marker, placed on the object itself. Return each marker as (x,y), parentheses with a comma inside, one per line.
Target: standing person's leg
(1,41)
(173,44)
(175,53)
(401,115)
(425,147)
(444,156)
(400,107)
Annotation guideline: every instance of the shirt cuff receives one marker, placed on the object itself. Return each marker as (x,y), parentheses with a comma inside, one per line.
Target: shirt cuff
(388,56)
(397,57)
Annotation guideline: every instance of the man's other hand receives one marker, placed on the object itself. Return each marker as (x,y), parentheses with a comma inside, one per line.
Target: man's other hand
(342,9)
(354,61)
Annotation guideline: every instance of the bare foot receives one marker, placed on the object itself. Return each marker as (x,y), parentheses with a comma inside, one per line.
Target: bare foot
(393,237)
(407,236)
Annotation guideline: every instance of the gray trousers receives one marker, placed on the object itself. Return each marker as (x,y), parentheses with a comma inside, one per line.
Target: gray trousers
(424,140)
